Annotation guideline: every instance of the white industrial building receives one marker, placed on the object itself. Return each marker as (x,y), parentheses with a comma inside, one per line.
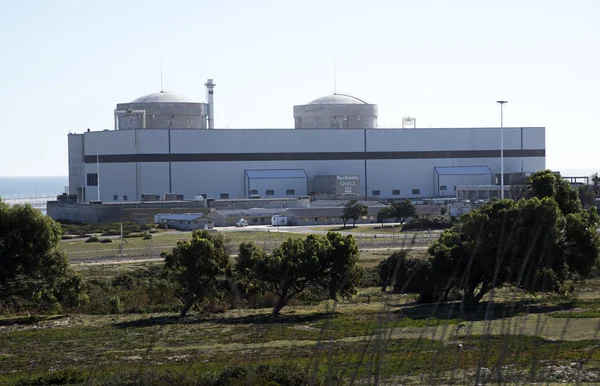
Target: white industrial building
(166,143)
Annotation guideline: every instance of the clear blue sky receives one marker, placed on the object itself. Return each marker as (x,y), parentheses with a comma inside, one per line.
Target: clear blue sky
(65,65)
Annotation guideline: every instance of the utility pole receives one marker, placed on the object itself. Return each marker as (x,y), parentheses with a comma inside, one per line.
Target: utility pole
(502,147)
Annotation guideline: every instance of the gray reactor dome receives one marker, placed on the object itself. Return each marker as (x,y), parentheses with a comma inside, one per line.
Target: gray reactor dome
(337,111)
(161,110)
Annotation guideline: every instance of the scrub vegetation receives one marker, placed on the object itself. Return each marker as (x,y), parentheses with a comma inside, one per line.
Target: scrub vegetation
(510,294)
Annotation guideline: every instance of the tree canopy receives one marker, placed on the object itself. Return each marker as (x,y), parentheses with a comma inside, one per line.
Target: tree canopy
(32,266)
(404,210)
(196,266)
(316,263)
(353,210)
(535,243)
(385,213)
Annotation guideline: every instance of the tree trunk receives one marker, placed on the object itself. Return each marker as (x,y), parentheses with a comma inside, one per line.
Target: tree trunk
(344,220)
(353,223)
(189,302)
(280,304)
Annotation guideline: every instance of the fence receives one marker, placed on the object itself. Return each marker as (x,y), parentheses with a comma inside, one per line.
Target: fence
(364,241)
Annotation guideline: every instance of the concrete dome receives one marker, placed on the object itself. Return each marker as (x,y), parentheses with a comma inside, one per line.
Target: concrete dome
(163,97)
(337,99)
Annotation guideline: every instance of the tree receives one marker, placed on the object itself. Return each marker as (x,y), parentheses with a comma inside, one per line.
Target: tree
(596,184)
(343,272)
(586,196)
(385,213)
(404,210)
(32,265)
(196,266)
(326,264)
(549,184)
(352,211)
(533,244)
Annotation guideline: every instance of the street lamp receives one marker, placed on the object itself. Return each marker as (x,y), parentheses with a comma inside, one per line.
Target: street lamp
(502,147)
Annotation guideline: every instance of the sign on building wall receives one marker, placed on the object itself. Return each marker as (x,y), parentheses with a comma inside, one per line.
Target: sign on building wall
(347,185)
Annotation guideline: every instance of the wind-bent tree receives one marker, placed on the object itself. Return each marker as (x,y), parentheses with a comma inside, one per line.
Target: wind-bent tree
(32,265)
(352,211)
(533,244)
(325,264)
(196,266)
(404,210)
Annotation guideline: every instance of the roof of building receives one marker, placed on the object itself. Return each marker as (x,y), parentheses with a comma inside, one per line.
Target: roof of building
(276,173)
(163,97)
(181,217)
(336,203)
(462,170)
(337,99)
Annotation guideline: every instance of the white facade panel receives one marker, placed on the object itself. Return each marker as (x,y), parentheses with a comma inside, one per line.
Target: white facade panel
(265,141)
(153,177)
(114,179)
(452,139)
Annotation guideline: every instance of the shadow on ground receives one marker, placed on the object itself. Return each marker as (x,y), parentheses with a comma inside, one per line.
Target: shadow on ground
(482,311)
(249,319)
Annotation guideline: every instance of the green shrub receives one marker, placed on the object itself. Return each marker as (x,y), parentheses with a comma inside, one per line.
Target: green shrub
(69,376)
(405,274)
(92,239)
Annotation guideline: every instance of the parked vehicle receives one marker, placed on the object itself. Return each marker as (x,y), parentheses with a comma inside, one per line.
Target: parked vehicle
(241,223)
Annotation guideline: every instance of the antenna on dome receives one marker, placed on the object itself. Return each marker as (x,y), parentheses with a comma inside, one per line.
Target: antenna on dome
(161,77)
(334,79)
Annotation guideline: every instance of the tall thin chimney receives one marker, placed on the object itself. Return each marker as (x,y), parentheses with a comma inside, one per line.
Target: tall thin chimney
(210,85)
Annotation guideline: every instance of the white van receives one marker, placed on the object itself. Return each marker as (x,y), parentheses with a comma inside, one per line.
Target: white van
(241,223)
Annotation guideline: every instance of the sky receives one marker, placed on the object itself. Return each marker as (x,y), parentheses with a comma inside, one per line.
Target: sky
(65,65)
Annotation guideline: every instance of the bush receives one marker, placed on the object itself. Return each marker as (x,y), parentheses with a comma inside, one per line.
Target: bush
(105,241)
(148,237)
(370,278)
(92,239)
(404,274)
(59,377)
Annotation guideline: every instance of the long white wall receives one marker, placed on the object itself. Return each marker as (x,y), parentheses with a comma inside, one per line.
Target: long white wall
(190,178)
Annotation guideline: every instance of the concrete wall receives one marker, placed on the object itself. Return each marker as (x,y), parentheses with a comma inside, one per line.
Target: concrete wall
(335,116)
(163,115)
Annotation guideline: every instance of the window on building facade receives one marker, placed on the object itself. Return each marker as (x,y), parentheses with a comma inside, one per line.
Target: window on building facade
(455,188)
(396,192)
(254,192)
(443,187)
(115,198)
(290,192)
(224,196)
(416,191)
(270,192)
(375,192)
(124,197)
(92,179)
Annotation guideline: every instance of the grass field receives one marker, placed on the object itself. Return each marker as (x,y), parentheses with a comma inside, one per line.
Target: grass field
(375,337)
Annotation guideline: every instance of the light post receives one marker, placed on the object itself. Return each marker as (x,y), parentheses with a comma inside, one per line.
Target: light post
(502,147)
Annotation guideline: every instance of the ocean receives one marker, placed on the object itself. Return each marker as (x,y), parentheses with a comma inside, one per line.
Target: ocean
(33,190)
